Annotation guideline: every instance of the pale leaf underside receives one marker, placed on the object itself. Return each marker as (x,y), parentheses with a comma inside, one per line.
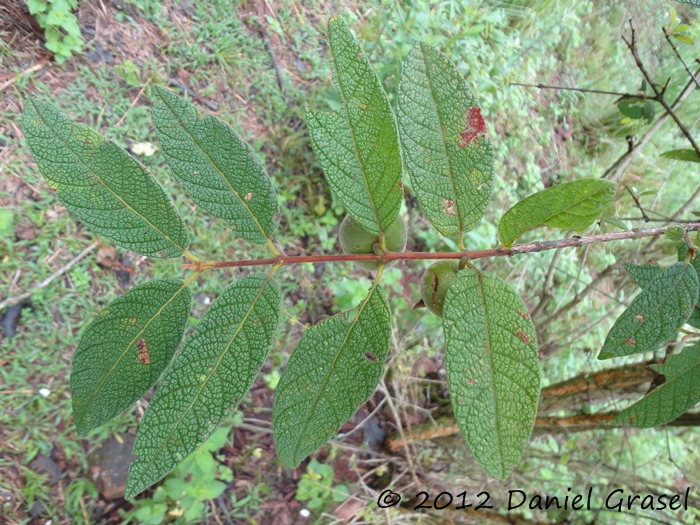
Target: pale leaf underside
(329,376)
(493,371)
(102,185)
(125,349)
(357,145)
(214,369)
(448,154)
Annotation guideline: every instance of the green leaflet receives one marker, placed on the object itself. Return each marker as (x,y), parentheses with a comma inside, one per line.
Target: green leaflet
(694,319)
(125,349)
(679,392)
(216,167)
(572,206)
(330,375)
(493,371)
(643,274)
(214,369)
(358,145)
(687,155)
(102,185)
(655,315)
(448,154)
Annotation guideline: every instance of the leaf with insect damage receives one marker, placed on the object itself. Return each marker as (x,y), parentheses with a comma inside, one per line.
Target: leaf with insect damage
(570,206)
(656,314)
(448,153)
(493,372)
(125,349)
(330,375)
(214,369)
(102,185)
(358,144)
(678,393)
(216,167)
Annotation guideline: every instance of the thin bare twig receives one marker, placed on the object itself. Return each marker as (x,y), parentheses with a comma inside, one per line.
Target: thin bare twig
(43,284)
(580,90)
(680,57)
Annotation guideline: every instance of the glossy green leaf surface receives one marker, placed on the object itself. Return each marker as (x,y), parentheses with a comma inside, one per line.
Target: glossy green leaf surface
(102,185)
(687,155)
(570,206)
(125,349)
(214,369)
(694,319)
(330,375)
(358,145)
(493,372)
(448,153)
(655,315)
(216,167)
(643,274)
(678,393)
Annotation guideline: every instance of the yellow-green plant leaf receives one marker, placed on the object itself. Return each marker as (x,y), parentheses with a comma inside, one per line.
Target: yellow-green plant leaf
(102,185)
(678,393)
(214,369)
(330,375)
(448,154)
(655,315)
(643,274)
(688,155)
(570,206)
(216,167)
(125,349)
(493,372)
(358,145)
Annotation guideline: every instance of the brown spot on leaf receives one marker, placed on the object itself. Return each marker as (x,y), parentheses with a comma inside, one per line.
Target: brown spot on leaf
(400,185)
(448,207)
(144,356)
(523,336)
(526,315)
(630,341)
(371,357)
(640,318)
(475,126)
(436,281)
(248,196)
(470,381)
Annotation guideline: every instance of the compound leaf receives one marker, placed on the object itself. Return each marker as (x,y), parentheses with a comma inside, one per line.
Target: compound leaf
(214,369)
(216,167)
(493,371)
(330,375)
(572,206)
(643,274)
(655,315)
(448,154)
(678,393)
(125,349)
(358,145)
(102,185)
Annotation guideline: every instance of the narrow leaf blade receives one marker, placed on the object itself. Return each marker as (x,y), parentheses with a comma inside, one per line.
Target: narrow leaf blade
(329,376)
(125,349)
(448,154)
(102,185)
(679,392)
(214,369)
(358,145)
(493,371)
(216,167)
(643,274)
(688,155)
(655,315)
(572,206)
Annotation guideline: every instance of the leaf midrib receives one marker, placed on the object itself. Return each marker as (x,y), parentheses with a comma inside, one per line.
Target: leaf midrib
(97,177)
(512,239)
(211,372)
(460,226)
(489,353)
(221,174)
(341,91)
(92,397)
(332,367)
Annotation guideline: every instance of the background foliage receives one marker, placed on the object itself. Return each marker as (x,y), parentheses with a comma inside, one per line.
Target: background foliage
(223,58)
